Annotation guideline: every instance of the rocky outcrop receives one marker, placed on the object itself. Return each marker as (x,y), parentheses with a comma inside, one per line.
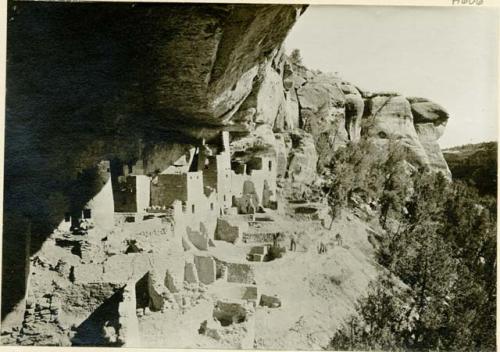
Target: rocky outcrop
(354,108)
(329,108)
(336,112)
(303,158)
(322,106)
(415,123)
(424,111)
(430,121)
(389,118)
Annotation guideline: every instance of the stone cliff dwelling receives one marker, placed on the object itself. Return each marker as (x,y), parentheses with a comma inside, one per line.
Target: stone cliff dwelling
(205,198)
(191,214)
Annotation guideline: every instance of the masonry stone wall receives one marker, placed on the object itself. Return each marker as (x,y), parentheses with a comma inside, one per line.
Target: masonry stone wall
(227,231)
(125,194)
(224,184)
(165,189)
(143,192)
(198,239)
(263,180)
(129,326)
(205,268)
(101,205)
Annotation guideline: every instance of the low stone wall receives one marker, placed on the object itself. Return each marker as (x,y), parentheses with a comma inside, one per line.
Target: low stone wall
(232,320)
(156,291)
(242,273)
(236,272)
(230,230)
(128,333)
(190,273)
(270,301)
(198,239)
(205,268)
(243,292)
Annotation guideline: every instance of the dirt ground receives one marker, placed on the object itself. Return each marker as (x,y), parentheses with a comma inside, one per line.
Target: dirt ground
(317,292)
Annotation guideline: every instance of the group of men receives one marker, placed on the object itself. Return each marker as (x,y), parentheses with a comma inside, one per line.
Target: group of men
(322,248)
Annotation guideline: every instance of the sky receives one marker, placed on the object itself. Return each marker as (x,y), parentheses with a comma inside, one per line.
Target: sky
(445,54)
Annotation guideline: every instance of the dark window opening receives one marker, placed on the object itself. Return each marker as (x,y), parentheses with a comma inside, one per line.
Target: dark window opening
(224,197)
(132,247)
(130,219)
(142,293)
(382,134)
(192,208)
(211,206)
(270,165)
(87,214)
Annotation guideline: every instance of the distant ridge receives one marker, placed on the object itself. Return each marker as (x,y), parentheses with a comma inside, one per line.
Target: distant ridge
(475,164)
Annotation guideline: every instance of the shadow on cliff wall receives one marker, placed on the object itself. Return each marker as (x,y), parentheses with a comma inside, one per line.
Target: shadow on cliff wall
(67,108)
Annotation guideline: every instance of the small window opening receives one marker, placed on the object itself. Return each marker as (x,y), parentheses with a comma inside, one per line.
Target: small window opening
(87,214)
(211,206)
(270,165)
(130,219)
(192,208)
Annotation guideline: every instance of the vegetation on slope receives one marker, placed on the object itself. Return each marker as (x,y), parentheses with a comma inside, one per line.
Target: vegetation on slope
(439,249)
(475,164)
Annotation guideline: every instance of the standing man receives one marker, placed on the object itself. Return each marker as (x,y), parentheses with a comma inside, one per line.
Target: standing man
(293,244)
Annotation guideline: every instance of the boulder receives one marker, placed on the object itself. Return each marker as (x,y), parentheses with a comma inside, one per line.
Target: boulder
(267,96)
(302,158)
(261,141)
(322,108)
(288,114)
(283,146)
(428,134)
(354,108)
(389,118)
(424,111)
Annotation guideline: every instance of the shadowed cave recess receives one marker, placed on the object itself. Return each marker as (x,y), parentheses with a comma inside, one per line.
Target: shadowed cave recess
(88,82)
